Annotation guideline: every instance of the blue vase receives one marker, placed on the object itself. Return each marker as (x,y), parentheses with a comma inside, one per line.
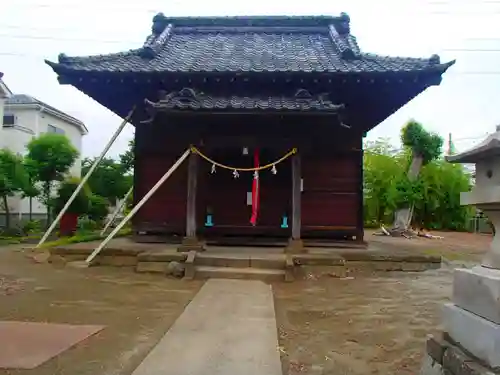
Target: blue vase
(284,222)
(209,222)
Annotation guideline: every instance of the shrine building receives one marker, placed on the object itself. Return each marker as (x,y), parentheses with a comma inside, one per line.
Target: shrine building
(274,110)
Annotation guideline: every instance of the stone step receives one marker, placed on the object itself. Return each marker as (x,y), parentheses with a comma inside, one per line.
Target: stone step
(247,273)
(244,261)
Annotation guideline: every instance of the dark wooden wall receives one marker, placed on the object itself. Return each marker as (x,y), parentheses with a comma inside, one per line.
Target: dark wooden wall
(165,211)
(331,197)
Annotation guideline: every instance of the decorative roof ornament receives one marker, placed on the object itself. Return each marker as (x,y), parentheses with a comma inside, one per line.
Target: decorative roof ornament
(191,99)
(159,24)
(346,44)
(344,26)
(435,59)
(303,94)
(160,33)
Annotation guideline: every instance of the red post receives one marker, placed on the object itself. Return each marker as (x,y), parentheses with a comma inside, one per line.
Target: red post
(68,224)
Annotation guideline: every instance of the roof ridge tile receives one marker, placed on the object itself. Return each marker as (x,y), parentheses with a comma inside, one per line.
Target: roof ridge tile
(240,44)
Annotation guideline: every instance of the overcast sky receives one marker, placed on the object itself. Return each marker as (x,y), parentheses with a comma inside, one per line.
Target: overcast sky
(465,104)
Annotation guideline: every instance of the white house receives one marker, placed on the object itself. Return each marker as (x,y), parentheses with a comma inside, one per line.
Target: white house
(25,117)
(4,94)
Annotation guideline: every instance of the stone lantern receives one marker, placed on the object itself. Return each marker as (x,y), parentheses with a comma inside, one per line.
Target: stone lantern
(486,194)
(471,339)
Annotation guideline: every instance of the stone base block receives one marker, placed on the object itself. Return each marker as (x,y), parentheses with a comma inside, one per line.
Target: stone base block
(191,244)
(491,260)
(78,264)
(189,272)
(431,367)
(477,290)
(289,269)
(152,267)
(446,358)
(295,247)
(478,336)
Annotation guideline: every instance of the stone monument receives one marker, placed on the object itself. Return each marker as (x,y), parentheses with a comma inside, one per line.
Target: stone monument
(470,343)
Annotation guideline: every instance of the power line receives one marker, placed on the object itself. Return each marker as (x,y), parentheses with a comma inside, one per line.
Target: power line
(472,49)
(111,41)
(44,37)
(28,28)
(483,136)
(173,3)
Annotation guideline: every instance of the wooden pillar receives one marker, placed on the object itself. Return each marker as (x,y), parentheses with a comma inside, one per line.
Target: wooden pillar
(190,241)
(361,220)
(296,197)
(296,244)
(191,195)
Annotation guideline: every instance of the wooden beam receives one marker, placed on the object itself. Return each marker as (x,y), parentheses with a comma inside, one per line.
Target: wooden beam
(296,197)
(191,196)
(360,214)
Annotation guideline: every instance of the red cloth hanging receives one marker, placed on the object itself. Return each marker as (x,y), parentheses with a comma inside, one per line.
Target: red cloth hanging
(255,190)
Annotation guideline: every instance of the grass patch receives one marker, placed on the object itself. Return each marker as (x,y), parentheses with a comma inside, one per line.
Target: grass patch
(5,241)
(82,237)
(15,240)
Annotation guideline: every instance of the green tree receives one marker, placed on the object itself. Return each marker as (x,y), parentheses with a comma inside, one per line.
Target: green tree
(108,180)
(30,190)
(98,208)
(50,157)
(13,179)
(438,204)
(127,158)
(435,195)
(424,147)
(81,203)
(381,169)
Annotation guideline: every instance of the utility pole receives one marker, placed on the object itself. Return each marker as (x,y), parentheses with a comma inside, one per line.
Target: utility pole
(450,145)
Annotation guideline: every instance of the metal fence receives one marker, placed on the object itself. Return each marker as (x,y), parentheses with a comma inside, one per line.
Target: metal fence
(479,224)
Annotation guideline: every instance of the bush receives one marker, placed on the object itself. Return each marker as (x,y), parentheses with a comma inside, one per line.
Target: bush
(82,238)
(32,226)
(87,225)
(81,203)
(98,209)
(12,232)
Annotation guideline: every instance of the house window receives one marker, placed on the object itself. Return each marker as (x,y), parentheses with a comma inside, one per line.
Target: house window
(9,121)
(54,129)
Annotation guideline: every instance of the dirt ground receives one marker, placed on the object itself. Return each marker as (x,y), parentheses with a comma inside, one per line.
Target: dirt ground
(136,309)
(370,325)
(375,324)
(455,246)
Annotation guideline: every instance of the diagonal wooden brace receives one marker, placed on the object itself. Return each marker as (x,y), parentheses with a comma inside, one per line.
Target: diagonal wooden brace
(85,179)
(138,205)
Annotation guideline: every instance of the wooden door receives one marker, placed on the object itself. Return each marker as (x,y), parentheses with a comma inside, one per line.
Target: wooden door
(229,198)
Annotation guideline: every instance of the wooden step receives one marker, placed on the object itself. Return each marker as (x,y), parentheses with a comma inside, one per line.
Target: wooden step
(335,244)
(247,273)
(246,241)
(240,261)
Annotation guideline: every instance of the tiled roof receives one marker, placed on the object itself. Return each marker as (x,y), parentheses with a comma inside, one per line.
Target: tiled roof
(248,44)
(21,99)
(487,149)
(191,100)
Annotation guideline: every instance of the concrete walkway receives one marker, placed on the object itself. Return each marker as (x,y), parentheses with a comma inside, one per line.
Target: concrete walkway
(229,328)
